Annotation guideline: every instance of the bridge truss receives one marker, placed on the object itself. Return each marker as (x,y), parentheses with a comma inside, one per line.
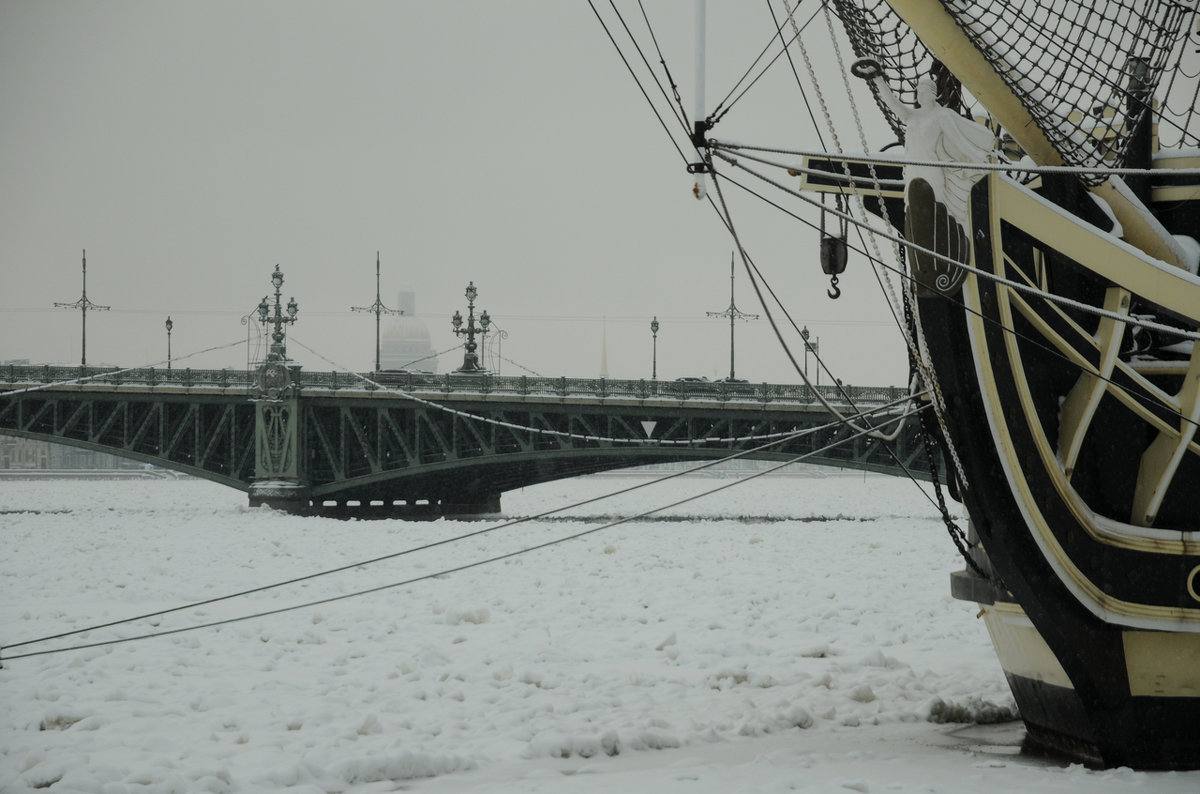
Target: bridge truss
(365,450)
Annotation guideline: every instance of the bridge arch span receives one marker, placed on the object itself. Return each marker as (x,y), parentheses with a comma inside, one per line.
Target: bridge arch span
(455,450)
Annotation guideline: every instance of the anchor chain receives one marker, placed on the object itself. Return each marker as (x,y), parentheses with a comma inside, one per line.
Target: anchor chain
(961,542)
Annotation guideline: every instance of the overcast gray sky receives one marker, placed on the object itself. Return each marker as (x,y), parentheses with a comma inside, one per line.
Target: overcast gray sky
(191,146)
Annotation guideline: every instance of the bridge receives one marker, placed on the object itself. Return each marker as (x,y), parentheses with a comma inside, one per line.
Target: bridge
(416,445)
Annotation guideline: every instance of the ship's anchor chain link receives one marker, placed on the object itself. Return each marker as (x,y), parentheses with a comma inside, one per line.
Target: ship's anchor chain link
(957,535)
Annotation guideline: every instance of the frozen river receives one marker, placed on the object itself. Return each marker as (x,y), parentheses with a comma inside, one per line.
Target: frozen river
(792,633)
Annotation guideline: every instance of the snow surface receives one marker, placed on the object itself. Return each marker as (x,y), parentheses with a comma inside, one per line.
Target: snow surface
(793,633)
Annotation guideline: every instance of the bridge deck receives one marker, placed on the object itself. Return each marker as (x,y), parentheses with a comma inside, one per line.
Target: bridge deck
(403,439)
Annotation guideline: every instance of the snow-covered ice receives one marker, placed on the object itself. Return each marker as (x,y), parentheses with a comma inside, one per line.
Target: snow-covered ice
(793,633)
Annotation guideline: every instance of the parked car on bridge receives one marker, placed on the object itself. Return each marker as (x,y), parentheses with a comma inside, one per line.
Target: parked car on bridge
(406,377)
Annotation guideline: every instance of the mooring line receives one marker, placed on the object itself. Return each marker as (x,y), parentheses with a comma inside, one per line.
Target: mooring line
(562,433)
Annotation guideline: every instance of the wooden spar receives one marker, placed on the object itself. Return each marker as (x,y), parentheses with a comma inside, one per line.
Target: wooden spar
(940,33)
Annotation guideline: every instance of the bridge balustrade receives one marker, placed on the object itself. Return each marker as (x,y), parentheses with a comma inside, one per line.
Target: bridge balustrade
(453,383)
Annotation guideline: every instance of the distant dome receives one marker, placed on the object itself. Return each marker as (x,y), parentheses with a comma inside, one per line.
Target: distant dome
(406,329)
(404,343)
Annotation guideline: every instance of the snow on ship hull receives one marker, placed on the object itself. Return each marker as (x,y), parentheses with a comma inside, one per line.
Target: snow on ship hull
(1083,489)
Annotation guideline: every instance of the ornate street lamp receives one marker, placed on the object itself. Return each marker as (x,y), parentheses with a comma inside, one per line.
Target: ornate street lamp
(280,470)
(470,357)
(815,346)
(278,350)
(654,358)
(170,325)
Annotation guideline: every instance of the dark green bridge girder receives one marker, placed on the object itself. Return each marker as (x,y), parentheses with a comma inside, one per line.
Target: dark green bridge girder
(365,449)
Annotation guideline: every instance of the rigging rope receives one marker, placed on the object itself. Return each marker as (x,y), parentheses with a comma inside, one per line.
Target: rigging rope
(663,62)
(751,266)
(519,365)
(1016,334)
(718,113)
(918,355)
(681,119)
(920,352)
(633,74)
(424,577)
(546,431)
(775,326)
(883,159)
(110,372)
(955,532)
(795,73)
(1015,285)
(711,202)
(821,139)
(363,563)
(439,354)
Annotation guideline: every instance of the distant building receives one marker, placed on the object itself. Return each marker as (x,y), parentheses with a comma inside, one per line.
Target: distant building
(405,343)
(22,453)
(28,453)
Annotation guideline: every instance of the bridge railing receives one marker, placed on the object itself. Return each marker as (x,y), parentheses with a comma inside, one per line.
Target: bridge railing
(641,389)
(454,383)
(16,374)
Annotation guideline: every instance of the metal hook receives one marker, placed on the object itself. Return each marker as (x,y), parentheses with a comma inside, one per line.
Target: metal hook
(835,291)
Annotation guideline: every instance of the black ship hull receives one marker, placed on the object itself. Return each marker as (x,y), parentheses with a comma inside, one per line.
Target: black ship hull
(1090,542)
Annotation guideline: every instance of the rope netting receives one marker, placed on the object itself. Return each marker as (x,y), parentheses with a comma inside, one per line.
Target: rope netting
(1086,70)
(875,31)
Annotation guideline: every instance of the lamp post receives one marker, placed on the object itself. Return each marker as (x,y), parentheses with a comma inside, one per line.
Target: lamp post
(733,314)
(470,357)
(170,325)
(377,308)
(83,304)
(654,354)
(278,348)
(815,346)
(281,477)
